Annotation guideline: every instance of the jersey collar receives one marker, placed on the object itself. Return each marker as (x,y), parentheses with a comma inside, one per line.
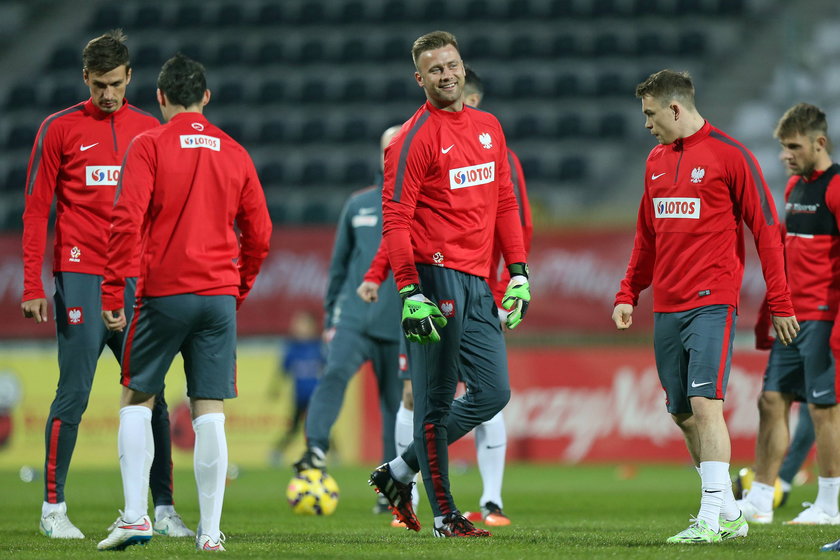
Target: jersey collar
(702,134)
(99,114)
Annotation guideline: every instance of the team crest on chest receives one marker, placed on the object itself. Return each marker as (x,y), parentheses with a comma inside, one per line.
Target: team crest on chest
(697,174)
(485,140)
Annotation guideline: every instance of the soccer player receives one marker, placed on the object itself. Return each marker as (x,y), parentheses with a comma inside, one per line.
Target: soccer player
(185,189)
(76,160)
(700,187)
(490,436)
(447,192)
(805,369)
(356,332)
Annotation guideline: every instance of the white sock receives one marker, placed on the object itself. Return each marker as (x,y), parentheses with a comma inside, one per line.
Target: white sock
(137,450)
(401,471)
(163,511)
(714,476)
(490,447)
(47,508)
(403,429)
(730,510)
(415,493)
(761,496)
(827,494)
(210,461)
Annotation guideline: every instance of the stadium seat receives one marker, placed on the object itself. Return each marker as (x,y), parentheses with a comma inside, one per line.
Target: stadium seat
(271,92)
(569,125)
(481,47)
(607,44)
(16,177)
(234,129)
(398,89)
(272,132)
(572,168)
(730,8)
(65,57)
(312,130)
(193,50)
(646,8)
(271,52)
(106,16)
(436,11)
(527,127)
(564,45)
(316,212)
(21,136)
(279,213)
(312,51)
(519,10)
(144,96)
(604,9)
(688,7)
(354,89)
(229,15)
(612,126)
(188,16)
(691,43)
(148,55)
(272,173)
(611,83)
(311,12)
(395,48)
(148,16)
(352,50)
(353,11)
(229,93)
(314,173)
(22,95)
(313,90)
(358,172)
(64,95)
(229,53)
(650,44)
(522,46)
(270,14)
(567,84)
(475,10)
(531,167)
(354,130)
(562,9)
(394,11)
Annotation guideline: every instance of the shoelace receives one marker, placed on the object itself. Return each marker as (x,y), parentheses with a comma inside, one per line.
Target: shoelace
(460,525)
(117,522)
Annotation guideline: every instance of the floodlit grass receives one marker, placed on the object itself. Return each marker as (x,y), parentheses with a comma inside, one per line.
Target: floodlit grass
(557,511)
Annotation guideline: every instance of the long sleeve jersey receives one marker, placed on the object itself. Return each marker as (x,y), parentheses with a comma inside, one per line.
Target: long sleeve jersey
(76,161)
(812,244)
(357,239)
(184,186)
(447,191)
(699,191)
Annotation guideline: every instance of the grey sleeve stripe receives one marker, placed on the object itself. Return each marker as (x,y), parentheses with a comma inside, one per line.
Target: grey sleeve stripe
(36,160)
(404,155)
(756,175)
(517,187)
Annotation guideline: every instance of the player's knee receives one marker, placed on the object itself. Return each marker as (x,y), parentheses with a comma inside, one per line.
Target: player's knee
(494,401)
(770,404)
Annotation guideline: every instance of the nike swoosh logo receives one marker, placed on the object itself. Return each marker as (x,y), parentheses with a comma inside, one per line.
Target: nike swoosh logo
(84,148)
(695,384)
(446,150)
(820,394)
(495,446)
(654,176)
(144,527)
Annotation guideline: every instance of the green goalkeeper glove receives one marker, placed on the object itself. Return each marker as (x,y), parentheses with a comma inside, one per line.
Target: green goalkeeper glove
(517,295)
(419,316)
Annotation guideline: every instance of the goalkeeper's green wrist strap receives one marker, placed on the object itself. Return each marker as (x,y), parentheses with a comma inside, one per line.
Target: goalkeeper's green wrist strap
(409,290)
(518,269)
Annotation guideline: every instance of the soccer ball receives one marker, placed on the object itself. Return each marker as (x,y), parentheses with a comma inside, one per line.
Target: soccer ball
(312,492)
(743,482)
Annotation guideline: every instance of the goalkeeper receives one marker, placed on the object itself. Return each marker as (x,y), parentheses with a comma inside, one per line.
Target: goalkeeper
(447,193)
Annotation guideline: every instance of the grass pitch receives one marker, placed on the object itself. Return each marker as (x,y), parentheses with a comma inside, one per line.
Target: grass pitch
(557,511)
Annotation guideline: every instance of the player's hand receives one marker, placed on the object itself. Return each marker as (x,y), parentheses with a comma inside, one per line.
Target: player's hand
(35,309)
(786,328)
(368,291)
(517,295)
(623,316)
(420,316)
(114,320)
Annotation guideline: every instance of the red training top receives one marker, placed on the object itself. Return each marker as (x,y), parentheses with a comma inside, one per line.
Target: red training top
(76,160)
(689,235)
(447,189)
(183,186)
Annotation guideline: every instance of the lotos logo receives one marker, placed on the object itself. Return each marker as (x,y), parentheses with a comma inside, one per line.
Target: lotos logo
(473,175)
(447,307)
(677,208)
(75,316)
(97,175)
(200,141)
